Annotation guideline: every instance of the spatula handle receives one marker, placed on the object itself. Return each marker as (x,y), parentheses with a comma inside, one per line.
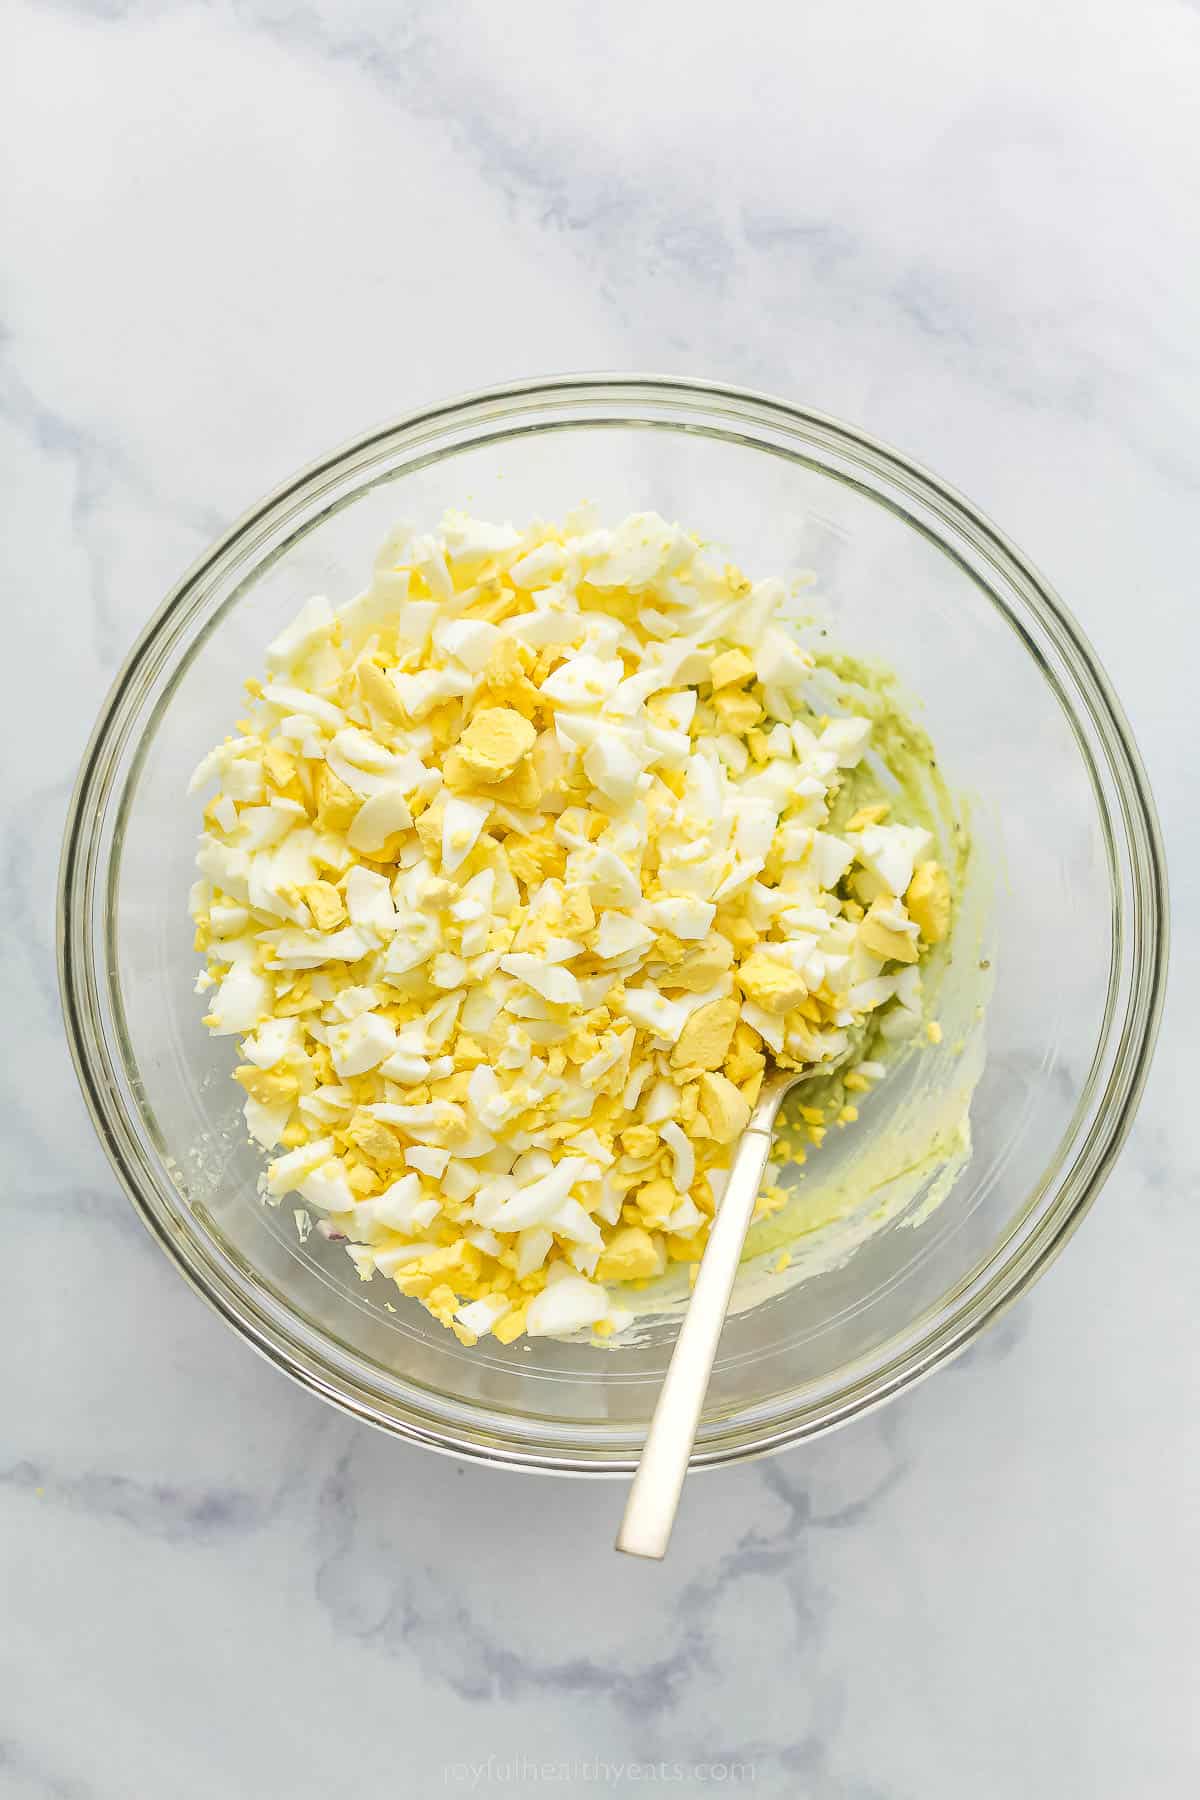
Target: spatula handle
(654,1496)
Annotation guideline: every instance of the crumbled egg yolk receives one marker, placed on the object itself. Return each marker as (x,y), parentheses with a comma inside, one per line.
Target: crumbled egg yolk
(517,873)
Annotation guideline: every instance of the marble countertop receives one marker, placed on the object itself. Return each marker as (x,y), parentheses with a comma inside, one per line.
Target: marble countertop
(236,234)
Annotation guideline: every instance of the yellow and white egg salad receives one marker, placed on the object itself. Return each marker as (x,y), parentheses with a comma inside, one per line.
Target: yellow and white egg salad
(523,864)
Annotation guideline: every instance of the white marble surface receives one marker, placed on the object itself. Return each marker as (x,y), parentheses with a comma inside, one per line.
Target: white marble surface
(235,234)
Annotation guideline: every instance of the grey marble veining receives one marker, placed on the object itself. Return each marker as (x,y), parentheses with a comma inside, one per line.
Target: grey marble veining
(235,234)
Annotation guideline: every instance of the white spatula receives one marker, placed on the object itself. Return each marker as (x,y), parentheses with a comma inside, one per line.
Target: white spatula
(654,1496)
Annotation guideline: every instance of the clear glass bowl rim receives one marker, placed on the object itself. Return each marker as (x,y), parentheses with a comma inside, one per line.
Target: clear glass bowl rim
(1051,1214)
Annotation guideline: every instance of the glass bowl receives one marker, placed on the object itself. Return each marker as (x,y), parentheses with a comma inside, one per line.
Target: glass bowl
(1025,724)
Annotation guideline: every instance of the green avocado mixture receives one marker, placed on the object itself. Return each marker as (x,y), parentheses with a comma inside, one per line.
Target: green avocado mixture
(901,769)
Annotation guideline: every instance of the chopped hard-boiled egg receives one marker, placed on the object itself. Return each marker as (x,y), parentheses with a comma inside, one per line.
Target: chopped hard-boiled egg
(522,865)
